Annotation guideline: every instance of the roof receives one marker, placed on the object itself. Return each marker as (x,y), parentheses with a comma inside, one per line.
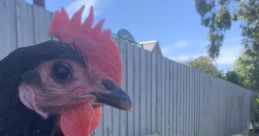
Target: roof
(152,46)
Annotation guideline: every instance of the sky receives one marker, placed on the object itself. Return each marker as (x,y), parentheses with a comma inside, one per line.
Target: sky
(174,23)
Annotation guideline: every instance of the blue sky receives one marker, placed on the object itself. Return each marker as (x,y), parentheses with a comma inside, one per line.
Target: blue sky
(175,23)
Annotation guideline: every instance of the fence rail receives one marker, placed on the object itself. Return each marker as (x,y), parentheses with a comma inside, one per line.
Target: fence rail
(169,99)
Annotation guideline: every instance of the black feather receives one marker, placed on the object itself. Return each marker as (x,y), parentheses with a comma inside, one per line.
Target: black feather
(15,118)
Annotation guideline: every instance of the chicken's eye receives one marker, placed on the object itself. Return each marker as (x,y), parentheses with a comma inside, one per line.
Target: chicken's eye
(61,72)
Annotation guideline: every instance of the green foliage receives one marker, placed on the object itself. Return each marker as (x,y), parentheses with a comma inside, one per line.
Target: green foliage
(204,64)
(255,110)
(244,67)
(245,71)
(249,14)
(218,15)
(254,117)
(223,19)
(233,77)
(217,18)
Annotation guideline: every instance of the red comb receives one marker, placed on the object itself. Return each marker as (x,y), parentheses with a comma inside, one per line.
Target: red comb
(96,45)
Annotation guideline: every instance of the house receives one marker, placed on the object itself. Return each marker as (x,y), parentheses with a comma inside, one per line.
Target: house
(152,46)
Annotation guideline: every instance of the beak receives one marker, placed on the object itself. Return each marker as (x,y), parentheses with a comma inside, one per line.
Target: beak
(116,97)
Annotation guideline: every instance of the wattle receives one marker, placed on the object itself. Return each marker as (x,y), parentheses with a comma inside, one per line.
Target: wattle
(80,120)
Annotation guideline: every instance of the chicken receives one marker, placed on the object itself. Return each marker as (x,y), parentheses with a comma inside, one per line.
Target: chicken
(57,88)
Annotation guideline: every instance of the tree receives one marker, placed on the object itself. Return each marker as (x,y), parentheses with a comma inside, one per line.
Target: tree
(218,15)
(233,77)
(247,69)
(204,64)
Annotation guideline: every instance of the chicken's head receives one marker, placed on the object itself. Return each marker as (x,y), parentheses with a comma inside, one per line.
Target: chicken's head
(76,84)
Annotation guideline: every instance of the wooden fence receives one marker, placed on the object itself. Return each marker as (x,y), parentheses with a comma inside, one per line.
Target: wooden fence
(169,99)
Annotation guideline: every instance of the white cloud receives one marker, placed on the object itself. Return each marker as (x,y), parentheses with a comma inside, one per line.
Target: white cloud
(180,44)
(184,57)
(181,51)
(229,52)
(228,55)
(167,49)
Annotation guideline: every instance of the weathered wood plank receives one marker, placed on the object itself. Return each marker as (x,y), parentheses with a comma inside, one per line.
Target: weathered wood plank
(115,122)
(184,101)
(137,89)
(223,107)
(107,121)
(196,89)
(212,108)
(8,38)
(115,115)
(115,112)
(25,35)
(189,99)
(175,98)
(218,102)
(208,105)
(215,108)
(199,117)
(188,102)
(171,98)
(154,94)
(41,21)
(159,93)
(167,97)
(227,109)
(206,101)
(131,90)
(123,114)
(178,99)
(143,92)
(191,84)
(181,99)
(149,94)
(201,101)
(163,94)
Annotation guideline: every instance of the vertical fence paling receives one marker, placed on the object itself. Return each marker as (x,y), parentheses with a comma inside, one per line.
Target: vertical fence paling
(130,88)
(123,115)
(143,92)
(154,94)
(137,89)
(7,27)
(169,98)
(149,93)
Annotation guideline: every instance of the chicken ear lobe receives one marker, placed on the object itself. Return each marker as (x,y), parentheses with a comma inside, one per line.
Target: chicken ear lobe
(28,99)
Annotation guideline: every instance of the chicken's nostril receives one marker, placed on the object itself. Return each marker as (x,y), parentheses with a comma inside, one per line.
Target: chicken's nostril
(108,84)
